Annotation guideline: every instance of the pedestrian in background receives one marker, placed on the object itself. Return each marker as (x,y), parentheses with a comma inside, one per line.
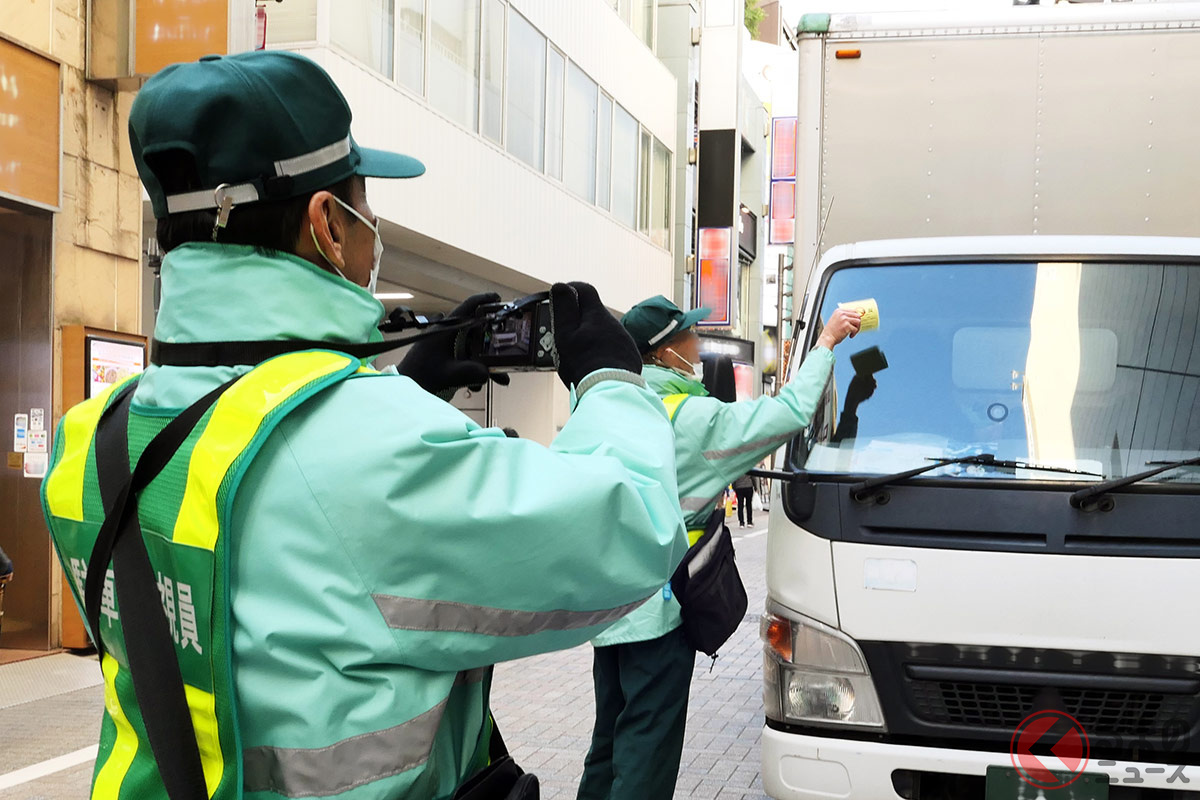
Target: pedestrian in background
(6,574)
(745,487)
(642,666)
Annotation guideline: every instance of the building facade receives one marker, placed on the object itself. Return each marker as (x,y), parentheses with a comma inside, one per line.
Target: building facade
(548,157)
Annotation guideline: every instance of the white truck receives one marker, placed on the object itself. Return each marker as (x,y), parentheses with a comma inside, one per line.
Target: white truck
(983,581)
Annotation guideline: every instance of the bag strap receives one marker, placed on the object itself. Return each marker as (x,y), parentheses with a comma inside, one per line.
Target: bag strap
(252,353)
(150,649)
(117,486)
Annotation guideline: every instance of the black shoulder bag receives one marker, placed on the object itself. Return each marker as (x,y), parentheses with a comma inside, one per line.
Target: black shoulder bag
(711,595)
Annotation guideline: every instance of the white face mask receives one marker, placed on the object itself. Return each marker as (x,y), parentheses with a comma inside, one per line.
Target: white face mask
(378,251)
(697,373)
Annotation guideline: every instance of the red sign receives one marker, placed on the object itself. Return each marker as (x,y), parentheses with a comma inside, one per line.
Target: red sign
(783,148)
(783,212)
(1067,742)
(714,275)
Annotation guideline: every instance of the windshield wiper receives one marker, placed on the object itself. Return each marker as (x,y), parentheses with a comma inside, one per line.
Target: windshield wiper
(862,491)
(1085,498)
(1039,467)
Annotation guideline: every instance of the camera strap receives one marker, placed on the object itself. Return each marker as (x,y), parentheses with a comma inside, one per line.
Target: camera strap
(252,353)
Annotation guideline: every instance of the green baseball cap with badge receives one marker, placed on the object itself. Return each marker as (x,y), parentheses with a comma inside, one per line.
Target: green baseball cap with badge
(654,321)
(263,125)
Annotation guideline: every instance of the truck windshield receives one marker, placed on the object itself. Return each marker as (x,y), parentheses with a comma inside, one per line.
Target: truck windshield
(1088,366)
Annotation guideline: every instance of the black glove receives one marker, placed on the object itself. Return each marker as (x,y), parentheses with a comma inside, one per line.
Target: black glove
(586,336)
(434,362)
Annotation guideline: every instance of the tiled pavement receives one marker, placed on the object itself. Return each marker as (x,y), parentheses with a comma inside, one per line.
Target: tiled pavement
(544,705)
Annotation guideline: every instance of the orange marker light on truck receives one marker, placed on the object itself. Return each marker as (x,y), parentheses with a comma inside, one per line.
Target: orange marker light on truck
(848,54)
(777,633)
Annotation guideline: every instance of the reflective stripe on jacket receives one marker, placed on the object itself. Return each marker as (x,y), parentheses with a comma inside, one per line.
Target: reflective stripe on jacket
(716,442)
(383,549)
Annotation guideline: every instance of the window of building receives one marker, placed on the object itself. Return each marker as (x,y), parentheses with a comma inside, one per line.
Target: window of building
(643,20)
(624,166)
(660,196)
(454,60)
(493,69)
(640,15)
(365,30)
(579,137)
(410,44)
(556,76)
(295,21)
(604,153)
(526,91)
(645,154)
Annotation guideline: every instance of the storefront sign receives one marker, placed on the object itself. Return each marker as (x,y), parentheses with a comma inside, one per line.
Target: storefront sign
(183,30)
(29,126)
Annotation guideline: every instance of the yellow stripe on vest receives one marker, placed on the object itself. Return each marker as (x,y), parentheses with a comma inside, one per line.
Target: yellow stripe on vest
(203,707)
(234,422)
(64,487)
(116,766)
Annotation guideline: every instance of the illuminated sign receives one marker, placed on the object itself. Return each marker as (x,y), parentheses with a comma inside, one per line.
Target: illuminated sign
(714,277)
(782,223)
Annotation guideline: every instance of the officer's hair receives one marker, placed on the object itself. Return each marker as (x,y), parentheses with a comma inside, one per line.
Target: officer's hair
(267,225)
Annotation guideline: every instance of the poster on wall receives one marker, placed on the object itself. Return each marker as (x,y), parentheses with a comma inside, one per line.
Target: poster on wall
(111,361)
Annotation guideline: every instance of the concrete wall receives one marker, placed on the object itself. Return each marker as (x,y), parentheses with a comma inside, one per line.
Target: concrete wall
(97,264)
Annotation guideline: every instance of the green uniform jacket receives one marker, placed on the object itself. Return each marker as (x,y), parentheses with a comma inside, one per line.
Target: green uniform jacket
(716,442)
(384,547)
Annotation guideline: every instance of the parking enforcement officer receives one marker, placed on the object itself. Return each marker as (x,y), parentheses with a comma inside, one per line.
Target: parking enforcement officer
(338,555)
(642,666)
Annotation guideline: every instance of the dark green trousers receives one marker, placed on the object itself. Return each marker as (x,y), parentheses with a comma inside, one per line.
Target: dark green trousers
(641,710)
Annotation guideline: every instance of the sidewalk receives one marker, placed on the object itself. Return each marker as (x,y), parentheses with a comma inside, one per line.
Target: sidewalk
(50,712)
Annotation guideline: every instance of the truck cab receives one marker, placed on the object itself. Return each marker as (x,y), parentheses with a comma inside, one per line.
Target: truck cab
(952,557)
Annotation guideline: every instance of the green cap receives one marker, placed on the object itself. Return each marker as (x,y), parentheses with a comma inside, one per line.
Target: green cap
(651,322)
(263,125)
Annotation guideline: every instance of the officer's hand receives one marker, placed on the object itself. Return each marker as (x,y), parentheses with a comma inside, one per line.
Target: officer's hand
(434,363)
(844,322)
(586,336)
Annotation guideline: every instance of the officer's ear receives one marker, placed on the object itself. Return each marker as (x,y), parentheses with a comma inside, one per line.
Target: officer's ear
(323,233)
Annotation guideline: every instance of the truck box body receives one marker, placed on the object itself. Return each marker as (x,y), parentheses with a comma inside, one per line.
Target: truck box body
(1017,191)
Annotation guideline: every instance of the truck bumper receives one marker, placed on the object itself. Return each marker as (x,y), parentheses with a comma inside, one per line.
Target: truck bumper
(797,767)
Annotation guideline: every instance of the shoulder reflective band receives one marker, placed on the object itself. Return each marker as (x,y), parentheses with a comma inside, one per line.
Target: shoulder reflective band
(64,487)
(234,422)
(673,402)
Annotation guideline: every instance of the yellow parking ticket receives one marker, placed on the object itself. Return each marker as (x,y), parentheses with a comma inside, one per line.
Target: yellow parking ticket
(869,310)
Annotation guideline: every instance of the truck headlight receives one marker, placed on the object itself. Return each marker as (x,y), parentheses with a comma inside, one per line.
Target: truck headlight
(814,673)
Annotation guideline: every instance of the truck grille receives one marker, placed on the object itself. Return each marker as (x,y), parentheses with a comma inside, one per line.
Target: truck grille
(996,705)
